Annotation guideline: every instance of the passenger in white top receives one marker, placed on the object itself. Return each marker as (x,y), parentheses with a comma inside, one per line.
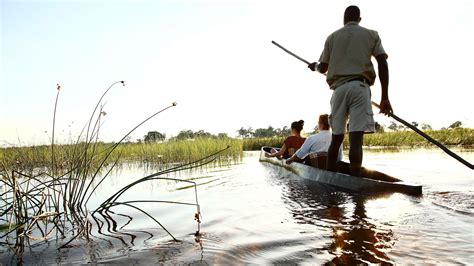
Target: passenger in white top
(316,143)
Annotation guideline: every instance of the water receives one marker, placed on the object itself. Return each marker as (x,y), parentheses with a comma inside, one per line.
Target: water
(253,214)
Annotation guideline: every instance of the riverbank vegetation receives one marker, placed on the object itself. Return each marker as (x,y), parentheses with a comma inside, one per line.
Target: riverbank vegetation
(450,137)
(170,152)
(181,150)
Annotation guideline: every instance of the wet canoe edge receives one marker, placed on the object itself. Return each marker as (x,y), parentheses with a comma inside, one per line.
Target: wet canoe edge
(341,180)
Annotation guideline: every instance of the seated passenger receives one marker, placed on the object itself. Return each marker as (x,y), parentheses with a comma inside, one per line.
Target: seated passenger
(291,144)
(315,147)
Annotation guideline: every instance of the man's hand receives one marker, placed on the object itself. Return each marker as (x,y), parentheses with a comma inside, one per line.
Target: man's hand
(386,107)
(289,161)
(313,66)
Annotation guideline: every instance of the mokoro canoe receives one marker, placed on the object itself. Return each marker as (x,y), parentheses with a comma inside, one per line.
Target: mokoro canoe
(372,182)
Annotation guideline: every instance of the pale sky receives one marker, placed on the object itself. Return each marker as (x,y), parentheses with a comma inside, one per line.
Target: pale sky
(215,59)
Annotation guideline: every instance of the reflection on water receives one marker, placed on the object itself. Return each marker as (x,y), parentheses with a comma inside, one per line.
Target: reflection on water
(253,213)
(352,237)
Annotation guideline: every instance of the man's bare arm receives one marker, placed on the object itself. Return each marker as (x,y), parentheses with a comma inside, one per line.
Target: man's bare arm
(322,68)
(385,106)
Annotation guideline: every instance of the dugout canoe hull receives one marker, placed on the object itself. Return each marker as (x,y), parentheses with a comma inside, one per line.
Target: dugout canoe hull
(345,181)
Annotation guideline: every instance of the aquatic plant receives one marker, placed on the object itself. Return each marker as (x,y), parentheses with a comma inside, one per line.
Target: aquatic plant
(51,202)
(253,144)
(163,153)
(451,137)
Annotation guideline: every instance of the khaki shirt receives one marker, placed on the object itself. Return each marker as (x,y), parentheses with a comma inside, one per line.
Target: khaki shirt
(348,53)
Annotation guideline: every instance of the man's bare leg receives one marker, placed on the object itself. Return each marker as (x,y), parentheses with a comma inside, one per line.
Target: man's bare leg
(356,140)
(333,152)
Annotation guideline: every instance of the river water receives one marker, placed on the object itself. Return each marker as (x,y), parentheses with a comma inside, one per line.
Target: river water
(254,214)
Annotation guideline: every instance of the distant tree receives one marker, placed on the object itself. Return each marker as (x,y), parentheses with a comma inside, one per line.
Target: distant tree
(264,132)
(222,136)
(189,134)
(242,132)
(185,134)
(153,136)
(245,133)
(202,134)
(425,126)
(379,128)
(278,132)
(415,124)
(285,131)
(393,126)
(456,124)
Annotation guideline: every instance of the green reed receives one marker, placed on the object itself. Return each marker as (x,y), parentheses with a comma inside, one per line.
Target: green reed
(253,144)
(450,137)
(174,151)
(47,188)
(408,138)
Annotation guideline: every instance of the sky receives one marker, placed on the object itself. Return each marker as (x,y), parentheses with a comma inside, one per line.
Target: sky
(215,59)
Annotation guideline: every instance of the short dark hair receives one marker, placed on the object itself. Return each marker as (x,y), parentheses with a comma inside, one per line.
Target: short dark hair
(298,125)
(324,120)
(352,13)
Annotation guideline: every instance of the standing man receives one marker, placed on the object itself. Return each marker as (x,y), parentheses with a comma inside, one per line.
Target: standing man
(347,60)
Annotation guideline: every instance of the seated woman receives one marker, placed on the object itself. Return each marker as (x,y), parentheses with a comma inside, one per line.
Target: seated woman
(316,146)
(291,144)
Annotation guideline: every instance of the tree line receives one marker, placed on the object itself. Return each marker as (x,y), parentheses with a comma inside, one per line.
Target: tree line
(155,136)
(423,126)
(249,132)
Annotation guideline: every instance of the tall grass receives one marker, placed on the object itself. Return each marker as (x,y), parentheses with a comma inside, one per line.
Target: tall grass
(39,157)
(253,144)
(449,137)
(176,151)
(47,188)
(28,159)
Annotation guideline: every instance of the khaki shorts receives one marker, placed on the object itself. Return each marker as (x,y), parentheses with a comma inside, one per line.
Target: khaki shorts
(351,100)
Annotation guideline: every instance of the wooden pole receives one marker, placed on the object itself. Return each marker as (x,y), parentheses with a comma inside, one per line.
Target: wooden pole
(430,139)
(284,49)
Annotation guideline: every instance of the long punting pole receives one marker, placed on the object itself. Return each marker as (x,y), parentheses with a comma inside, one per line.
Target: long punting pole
(286,50)
(430,139)
(421,133)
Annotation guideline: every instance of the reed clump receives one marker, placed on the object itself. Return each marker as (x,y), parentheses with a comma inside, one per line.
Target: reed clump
(174,151)
(46,189)
(449,137)
(38,158)
(254,144)
(181,151)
